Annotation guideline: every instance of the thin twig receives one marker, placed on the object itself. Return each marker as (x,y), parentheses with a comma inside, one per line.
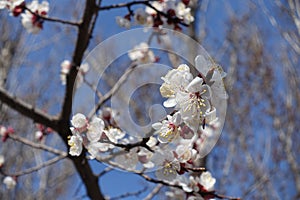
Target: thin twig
(153,192)
(122,5)
(113,90)
(53,19)
(93,87)
(129,146)
(38,167)
(146,3)
(37,145)
(137,193)
(105,171)
(28,110)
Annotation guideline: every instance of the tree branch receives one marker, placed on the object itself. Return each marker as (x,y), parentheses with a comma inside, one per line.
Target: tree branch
(81,164)
(82,42)
(113,90)
(53,19)
(36,145)
(28,110)
(38,167)
(146,3)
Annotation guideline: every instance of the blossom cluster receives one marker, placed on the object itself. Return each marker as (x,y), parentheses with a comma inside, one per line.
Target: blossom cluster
(31,14)
(177,143)
(141,54)
(97,135)
(163,13)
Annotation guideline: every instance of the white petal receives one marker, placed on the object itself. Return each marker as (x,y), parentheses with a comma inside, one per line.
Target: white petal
(169,103)
(195,85)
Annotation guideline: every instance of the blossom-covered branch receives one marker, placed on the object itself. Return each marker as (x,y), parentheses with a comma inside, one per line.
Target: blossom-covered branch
(50,19)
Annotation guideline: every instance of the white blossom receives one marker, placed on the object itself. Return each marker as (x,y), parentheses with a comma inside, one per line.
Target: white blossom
(9,182)
(184,152)
(114,134)
(75,143)
(3,4)
(95,147)
(95,129)
(3,130)
(142,54)
(82,71)
(123,22)
(174,81)
(207,181)
(194,103)
(141,17)
(65,69)
(16,7)
(38,135)
(168,165)
(151,142)
(79,121)
(184,13)
(31,22)
(158,5)
(168,129)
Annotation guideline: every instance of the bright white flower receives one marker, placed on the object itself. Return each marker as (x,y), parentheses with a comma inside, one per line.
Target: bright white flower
(84,68)
(95,147)
(95,129)
(158,5)
(123,22)
(3,4)
(168,165)
(3,130)
(16,7)
(184,153)
(168,129)
(31,22)
(142,54)
(174,81)
(2,160)
(75,143)
(65,69)
(114,134)
(143,18)
(184,13)
(214,76)
(207,181)
(38,135)
(151,142)
(192,184)
(194,103)
(79,121)
(9,182)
